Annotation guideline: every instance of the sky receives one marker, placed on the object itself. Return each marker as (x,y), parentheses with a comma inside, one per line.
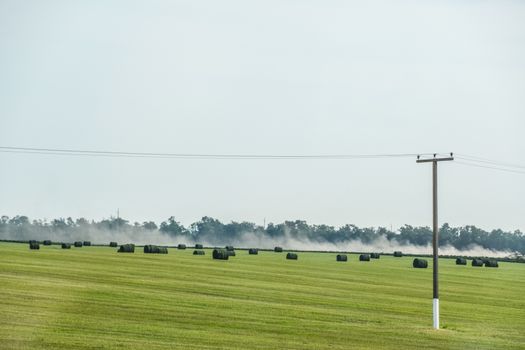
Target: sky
(263,77)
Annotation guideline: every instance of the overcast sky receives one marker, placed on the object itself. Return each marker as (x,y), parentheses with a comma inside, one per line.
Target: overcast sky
(263,77)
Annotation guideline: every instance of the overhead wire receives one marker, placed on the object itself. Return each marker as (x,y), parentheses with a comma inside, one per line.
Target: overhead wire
(79,152)
(489,161)
(489,167)
(462,159)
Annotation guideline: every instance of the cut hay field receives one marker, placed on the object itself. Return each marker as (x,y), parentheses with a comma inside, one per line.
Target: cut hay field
(95,298)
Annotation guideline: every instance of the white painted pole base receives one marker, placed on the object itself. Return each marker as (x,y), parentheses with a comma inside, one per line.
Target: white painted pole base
(435,313)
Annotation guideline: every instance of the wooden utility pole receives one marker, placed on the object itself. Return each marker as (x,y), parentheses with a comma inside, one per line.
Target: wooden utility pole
(435,236)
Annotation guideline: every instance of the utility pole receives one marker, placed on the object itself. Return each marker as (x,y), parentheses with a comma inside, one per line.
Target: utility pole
(435,237)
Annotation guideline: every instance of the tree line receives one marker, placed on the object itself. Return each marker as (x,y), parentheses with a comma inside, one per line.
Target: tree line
(214,231)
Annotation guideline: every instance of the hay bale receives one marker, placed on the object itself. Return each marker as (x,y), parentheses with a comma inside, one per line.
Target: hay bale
(220,254)
(198,246)
(87,243)
(113,244)
(66,246)
(181,246)
(420,263)
(229,247)
(253,251)
(491,263)
(77,244)
(374,256)
(127,248)
(398,254)
(477,262)
(461,261)
(34,245)
(47,242)
(198,252)
(153,249)
(341,257)
(278,249)
(291,256)
(364,257)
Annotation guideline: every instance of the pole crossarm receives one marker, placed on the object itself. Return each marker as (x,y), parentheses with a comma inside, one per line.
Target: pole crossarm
(428,160)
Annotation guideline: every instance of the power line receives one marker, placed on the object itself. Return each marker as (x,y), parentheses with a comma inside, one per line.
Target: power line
(465,160)
(104,153)
(489,161)
(490,167)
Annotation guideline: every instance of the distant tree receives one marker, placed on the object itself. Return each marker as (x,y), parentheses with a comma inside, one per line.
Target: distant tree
(82,222)
(448,235)
(209,229)
(59,224)
(112,224)
(173,227)
(235,230)
(19,220)
(149,225)
(414,235)
(274,230)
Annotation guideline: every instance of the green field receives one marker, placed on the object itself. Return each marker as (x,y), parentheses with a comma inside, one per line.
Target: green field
(95,298)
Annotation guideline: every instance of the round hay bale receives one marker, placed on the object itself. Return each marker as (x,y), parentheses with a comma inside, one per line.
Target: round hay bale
(253,251)
(341,257)
(153,249)
(181,246)
(374,256)
(34,245)
(364,257)
(126,248)
(78,244)
(198,252)
(199,246)
(278,249)
(47,242)
(113,244)
(87,243)
(66,246)
(420,263)
(398,254)
(291,256)
(220,254)
(477,262)
(229,247)
(461,261)
(491,263)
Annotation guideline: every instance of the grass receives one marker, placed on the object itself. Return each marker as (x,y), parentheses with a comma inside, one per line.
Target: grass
(95,298)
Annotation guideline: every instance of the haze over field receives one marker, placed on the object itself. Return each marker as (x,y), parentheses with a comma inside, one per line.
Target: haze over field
(291,235)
